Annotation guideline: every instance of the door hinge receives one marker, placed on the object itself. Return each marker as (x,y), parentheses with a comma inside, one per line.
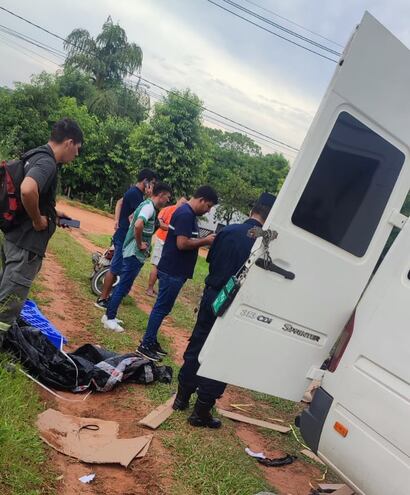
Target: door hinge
(397,219)
(315,373)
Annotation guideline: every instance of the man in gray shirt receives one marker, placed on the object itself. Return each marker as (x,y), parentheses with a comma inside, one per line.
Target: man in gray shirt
(25,245)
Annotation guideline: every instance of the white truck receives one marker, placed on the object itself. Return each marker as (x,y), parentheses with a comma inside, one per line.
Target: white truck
(319,294)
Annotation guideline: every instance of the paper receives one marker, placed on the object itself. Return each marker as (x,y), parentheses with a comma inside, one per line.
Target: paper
(89,439)
(257,455)
(88,478)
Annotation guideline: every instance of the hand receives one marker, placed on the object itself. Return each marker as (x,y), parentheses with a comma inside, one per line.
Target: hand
(116,226)
(143,246)
(40,224)
(209,239)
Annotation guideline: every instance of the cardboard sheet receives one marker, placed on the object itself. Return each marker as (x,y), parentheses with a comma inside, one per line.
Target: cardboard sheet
(90,439)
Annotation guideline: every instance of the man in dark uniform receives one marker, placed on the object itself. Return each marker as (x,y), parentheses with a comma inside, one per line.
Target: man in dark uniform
(227,255)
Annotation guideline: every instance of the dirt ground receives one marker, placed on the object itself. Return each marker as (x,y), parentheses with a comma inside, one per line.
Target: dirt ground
(149,475)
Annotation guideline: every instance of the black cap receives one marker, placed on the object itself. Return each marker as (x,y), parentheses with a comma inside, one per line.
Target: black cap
(266,199)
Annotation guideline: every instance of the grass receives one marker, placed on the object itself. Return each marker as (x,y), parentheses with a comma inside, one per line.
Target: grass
(23,457)
(102,241)
(204,461)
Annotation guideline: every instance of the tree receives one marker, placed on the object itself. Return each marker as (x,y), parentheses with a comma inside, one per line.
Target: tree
(236,195)
(107,59)
(171,143)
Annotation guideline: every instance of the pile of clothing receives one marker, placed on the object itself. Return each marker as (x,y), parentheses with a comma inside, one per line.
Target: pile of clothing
(89,367)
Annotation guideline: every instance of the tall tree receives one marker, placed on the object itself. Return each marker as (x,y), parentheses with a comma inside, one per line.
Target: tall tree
(107,59)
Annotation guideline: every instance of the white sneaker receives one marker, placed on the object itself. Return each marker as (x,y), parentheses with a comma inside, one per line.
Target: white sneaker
(111,325)
(104,319)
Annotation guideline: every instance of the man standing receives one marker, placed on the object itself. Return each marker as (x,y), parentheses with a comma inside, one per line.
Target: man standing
(124,208)
(177,263)
(25,245)
(164,218)
(226,257)
(136,250)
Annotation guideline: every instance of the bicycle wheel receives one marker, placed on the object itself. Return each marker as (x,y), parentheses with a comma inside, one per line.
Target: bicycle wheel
(97,282)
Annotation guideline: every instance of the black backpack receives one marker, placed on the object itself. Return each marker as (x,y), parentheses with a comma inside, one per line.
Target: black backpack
(12,173)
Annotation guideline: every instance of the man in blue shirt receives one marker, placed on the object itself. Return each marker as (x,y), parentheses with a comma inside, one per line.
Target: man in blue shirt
(226,257)
(125,207)
(177,263)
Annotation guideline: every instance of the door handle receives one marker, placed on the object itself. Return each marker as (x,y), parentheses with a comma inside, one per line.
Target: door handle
(271,267)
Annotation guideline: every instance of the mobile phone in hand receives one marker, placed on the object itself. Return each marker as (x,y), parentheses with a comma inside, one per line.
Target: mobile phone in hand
(69,222)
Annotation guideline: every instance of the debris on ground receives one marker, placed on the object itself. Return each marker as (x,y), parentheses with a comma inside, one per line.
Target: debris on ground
(161,413)
(88,478)
(256,455)
(90,440)
(278,462)
(333,489)
(253,421)
(312,455)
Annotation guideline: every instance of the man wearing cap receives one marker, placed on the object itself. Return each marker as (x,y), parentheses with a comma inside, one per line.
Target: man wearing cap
(230,250)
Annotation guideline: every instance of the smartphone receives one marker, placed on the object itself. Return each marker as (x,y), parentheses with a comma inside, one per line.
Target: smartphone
(70,222)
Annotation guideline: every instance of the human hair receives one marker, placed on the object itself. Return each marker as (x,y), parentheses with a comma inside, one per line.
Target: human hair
(161,187)
(208,193)
(146,174)
(261,210)
(66,129)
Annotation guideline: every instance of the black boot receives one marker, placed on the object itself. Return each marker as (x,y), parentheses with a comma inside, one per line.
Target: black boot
(201,416)
(181,401)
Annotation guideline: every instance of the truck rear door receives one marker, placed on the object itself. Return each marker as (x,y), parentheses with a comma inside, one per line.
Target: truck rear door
(333,217)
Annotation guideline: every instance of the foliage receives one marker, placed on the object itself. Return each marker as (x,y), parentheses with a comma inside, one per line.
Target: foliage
(170,142)
(107,59)
(240,172)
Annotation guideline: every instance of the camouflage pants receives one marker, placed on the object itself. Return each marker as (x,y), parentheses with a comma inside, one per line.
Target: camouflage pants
(20,268)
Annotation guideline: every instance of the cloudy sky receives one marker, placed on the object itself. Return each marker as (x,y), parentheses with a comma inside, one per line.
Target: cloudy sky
(237,69)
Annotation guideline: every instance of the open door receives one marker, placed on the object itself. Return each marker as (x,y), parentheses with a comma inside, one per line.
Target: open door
(333,217)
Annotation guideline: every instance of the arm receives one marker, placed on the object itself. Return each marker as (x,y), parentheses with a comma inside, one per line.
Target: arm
(162,224)
(138,228)
(117,212)
(186,243)
(29,198)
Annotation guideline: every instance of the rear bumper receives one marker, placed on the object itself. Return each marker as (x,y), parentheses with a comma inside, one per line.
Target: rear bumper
(313,418)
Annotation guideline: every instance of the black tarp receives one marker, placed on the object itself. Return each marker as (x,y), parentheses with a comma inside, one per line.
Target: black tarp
(89,367)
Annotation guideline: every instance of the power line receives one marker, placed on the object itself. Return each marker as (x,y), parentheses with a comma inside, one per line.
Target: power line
(294,23)
(272,32)
(282,28)
(168,91)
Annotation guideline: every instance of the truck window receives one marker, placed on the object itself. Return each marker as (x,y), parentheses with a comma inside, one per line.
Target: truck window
(350,186)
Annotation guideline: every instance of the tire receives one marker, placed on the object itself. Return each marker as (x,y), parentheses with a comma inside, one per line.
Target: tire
(97,280)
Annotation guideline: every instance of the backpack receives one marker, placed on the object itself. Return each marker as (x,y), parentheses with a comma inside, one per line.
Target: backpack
(12,173)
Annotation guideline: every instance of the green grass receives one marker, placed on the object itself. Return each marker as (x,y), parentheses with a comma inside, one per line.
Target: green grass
(102,241)
(203,461)
(211,462)
(23,458)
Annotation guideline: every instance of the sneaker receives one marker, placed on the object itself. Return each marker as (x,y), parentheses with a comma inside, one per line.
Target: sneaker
(159,350)
(149,353)
(104,319)
(101,303)
(111,325)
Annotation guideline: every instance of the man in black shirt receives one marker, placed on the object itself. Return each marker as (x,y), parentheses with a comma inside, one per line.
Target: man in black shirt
(24,247)
(226,257)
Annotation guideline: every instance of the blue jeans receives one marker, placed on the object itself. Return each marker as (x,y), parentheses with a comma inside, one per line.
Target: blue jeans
(169,287)
(117,260)
(131,267)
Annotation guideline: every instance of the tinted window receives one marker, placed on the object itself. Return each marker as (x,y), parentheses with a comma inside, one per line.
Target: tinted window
(350,186)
